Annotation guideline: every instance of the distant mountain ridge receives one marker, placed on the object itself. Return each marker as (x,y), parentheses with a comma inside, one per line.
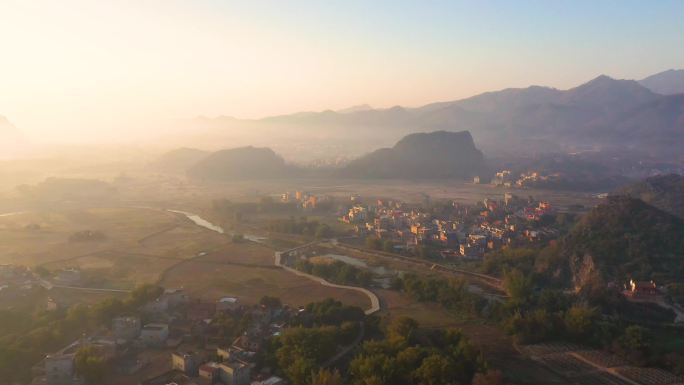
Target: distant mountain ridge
(668,82)
(603,113)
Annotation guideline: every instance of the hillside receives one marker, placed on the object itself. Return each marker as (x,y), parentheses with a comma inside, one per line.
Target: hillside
(625,238)
(668,82)
(439,154)
(179,160)
(240,163)
(665,192)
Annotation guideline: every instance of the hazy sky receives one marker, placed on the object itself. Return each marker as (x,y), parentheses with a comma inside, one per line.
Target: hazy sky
(101,69)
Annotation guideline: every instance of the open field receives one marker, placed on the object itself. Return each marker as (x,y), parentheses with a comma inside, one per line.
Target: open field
(164,190)
(38,237)
(139,244)
(246,271)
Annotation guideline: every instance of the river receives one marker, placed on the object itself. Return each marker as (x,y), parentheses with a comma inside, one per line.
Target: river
(199,221)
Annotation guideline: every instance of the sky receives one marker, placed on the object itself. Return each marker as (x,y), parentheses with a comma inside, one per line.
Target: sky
(111,70)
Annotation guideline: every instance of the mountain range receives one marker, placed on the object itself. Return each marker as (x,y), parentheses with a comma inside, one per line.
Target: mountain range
(645,116)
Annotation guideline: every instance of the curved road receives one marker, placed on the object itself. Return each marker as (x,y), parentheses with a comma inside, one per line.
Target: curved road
(375,301)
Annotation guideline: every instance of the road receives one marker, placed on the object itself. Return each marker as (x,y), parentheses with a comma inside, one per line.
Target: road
(374,300)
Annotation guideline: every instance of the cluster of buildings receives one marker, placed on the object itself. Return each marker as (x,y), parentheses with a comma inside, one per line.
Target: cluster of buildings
(459,231)
(304,200)
(15,278)
(187,332)
(505,178)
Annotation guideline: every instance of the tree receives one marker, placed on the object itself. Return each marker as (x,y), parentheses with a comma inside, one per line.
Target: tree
(107,309)
(579,320)
(90,365)
(374,243)
(326,377)
(435,370)
(402,329)
(270,302)
(492,377)
(323,231)
(388,246)
(41,271)
(518,286)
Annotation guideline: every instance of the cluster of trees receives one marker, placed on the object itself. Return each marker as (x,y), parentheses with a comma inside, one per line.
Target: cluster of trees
(629,238)
(303,226)
(331,312)
(22,345)
(421,251)
(533,316)
(301,350)
(452,293)
(336,272)
(409,355)
(375,243)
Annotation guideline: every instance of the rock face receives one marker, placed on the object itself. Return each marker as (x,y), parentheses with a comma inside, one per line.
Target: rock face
(240,163)
(439,154)
(625,238)
(665,192)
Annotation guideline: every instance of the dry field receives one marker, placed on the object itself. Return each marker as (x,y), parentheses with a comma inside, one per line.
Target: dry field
(246,270)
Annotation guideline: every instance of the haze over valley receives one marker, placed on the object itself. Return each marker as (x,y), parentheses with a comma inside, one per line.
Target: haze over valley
(341,193)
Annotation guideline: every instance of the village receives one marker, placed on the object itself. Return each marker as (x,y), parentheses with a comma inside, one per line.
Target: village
(174,339)
(457,231)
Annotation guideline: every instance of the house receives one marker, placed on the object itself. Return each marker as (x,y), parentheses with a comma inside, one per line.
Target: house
(154,334)
(175,297)
(641,289)
(235,373)
(126,328)
(186,362)
(51,304)
(68,277)
(210,371)
(200,311)
(59,369)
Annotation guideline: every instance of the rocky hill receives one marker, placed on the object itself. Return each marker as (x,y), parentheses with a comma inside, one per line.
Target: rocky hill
(625,238)
(240,163)
(665,192)
(439,154)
